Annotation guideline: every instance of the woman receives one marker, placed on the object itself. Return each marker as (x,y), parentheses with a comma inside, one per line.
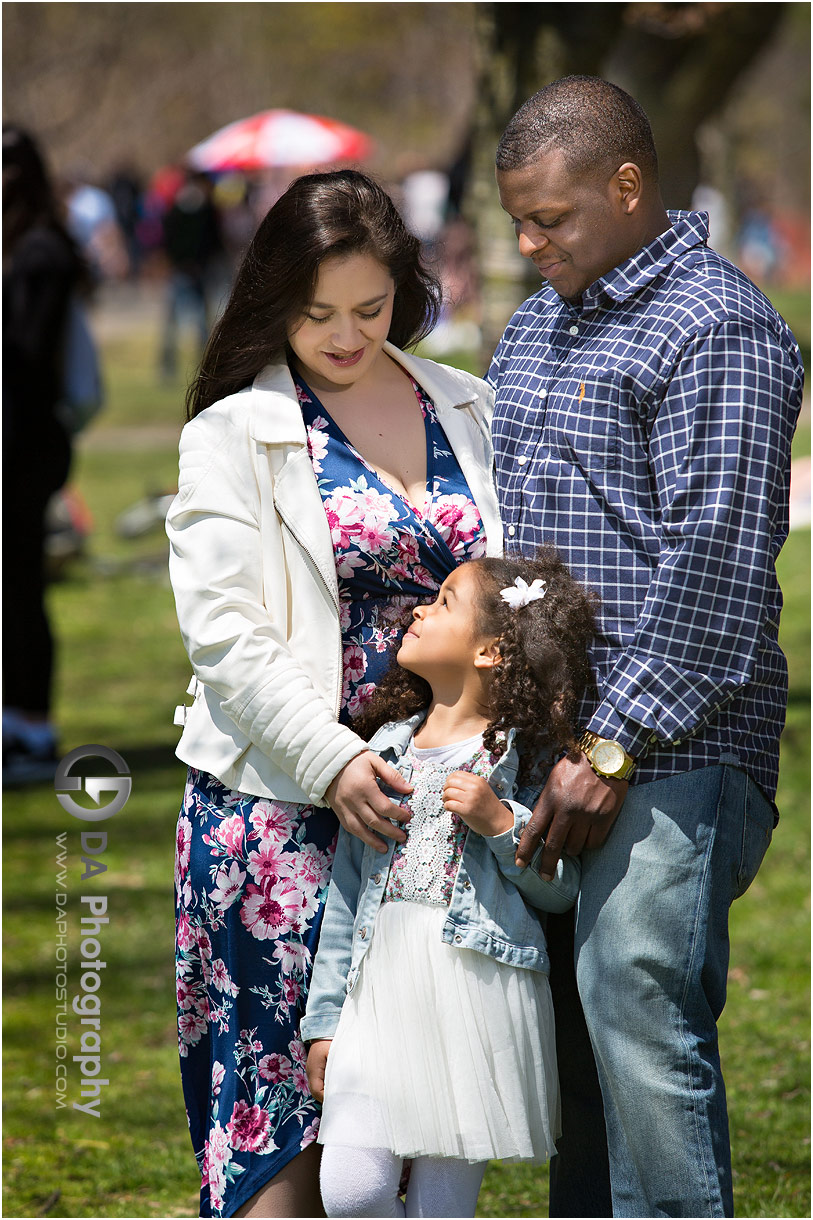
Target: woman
(328,483)
(42,269)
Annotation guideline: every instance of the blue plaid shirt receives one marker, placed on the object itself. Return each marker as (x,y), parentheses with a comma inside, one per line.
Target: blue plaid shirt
(646,432)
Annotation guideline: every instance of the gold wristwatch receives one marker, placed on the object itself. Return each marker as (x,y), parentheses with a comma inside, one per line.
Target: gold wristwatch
(608,758)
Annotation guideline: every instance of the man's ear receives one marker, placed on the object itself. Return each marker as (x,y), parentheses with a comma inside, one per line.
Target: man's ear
(627,186)
(488,655)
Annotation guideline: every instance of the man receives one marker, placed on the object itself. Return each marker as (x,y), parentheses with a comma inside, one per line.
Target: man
(646,398)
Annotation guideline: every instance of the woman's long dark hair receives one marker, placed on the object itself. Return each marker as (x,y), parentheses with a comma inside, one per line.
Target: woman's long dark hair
(320,215)
(544,667)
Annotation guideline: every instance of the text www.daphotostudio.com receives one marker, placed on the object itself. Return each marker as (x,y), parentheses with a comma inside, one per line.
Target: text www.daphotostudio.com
(82,1016)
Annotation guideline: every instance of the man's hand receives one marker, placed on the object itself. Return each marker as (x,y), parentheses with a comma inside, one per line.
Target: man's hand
(474,800)
(361,806)
(577,809)
(315,1067)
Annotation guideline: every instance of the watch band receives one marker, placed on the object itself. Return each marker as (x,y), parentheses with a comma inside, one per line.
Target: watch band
(588,744)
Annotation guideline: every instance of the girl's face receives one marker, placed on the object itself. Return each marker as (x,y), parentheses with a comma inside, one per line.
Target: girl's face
(341,334)
(443,639)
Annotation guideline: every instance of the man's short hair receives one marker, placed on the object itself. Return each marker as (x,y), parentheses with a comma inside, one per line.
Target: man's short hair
(593,122)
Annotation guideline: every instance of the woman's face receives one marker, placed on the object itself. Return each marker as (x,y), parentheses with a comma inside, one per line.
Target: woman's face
(344,328)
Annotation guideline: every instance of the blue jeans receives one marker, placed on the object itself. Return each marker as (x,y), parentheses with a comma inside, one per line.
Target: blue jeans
(651,950)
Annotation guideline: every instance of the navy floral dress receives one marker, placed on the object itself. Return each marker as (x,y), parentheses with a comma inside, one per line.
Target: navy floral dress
(251,873)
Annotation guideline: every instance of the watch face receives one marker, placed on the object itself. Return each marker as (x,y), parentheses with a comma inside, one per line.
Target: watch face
(608,757)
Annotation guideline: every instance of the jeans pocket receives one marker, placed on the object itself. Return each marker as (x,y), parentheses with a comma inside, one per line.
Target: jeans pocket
(757,831)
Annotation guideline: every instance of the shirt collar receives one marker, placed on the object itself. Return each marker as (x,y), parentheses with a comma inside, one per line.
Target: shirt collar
(688,229)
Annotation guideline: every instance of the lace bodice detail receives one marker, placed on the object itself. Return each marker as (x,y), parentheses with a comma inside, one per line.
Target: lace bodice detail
(424,868)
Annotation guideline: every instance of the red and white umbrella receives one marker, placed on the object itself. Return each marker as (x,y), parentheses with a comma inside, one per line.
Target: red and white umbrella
(275,138)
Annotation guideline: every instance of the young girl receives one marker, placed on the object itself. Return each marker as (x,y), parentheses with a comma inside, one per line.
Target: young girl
(429,1014)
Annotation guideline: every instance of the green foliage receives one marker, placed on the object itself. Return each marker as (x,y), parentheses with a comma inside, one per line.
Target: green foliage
(122,670)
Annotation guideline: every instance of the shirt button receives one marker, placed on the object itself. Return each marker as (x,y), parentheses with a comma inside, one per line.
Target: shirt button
(543,393)
(574,330)
(511,530)
(521,460)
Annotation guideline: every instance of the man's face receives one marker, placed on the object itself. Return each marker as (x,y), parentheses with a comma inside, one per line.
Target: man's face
(573,227)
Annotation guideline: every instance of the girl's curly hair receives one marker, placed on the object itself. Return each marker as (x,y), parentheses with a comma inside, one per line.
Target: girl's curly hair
(544,667)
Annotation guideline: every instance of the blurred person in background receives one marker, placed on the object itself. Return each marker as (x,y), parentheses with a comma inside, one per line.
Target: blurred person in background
(328,483)
(191,245)
(126,190)
(92,222)
(42,269)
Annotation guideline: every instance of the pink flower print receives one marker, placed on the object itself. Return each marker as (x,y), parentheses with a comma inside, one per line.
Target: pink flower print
(408,548)
(183,843)
(422,576)
(249,1128)
(346,564)
(273,821)
(270,913)
(363,694)
(300,1079)
(457,521)
(218,1074)
(311,867)
(184,993)
(228,885)
(222,979)
(309,1134)
(298,1052)
(355,663)
(344,518)
(270,863)
(292,990)
(230,833)
(317,443)
(191,1027)
(275,1068)
(217,1155)
(293,958)
(185,933)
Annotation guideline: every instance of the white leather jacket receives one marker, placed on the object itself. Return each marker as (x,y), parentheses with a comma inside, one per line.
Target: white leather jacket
(253,572)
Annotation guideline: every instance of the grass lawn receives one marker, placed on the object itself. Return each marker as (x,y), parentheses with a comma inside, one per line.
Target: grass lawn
(121,672)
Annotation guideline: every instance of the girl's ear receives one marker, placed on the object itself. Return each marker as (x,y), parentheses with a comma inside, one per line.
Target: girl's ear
(488,655)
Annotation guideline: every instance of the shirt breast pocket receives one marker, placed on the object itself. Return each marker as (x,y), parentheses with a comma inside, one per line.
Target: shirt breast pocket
(583,421)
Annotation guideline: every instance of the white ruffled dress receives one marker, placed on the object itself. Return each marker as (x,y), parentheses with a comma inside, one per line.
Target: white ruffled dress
(440,1051)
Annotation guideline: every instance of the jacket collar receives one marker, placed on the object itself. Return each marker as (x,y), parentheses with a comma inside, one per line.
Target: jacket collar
(276,418)
(395,737)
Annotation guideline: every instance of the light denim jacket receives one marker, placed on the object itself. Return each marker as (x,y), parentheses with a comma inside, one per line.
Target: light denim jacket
(492,905)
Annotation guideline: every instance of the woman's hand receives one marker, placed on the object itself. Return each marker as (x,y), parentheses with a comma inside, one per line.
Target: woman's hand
(361,806)
(474,800)
(315,1067)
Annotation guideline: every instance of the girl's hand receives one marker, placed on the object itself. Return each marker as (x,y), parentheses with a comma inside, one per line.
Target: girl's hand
(474,800)
(315,1067)
(361,806)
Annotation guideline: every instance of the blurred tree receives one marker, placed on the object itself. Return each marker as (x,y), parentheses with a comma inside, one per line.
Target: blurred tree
(679,60)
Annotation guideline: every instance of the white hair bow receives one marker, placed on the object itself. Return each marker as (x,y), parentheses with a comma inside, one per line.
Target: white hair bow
(520,593)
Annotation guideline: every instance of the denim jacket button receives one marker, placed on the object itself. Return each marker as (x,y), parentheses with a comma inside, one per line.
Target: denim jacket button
(458,940)
(363,934)
(467,886)
(377,878)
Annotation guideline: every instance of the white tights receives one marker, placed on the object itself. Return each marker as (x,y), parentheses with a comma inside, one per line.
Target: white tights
(364,1182)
